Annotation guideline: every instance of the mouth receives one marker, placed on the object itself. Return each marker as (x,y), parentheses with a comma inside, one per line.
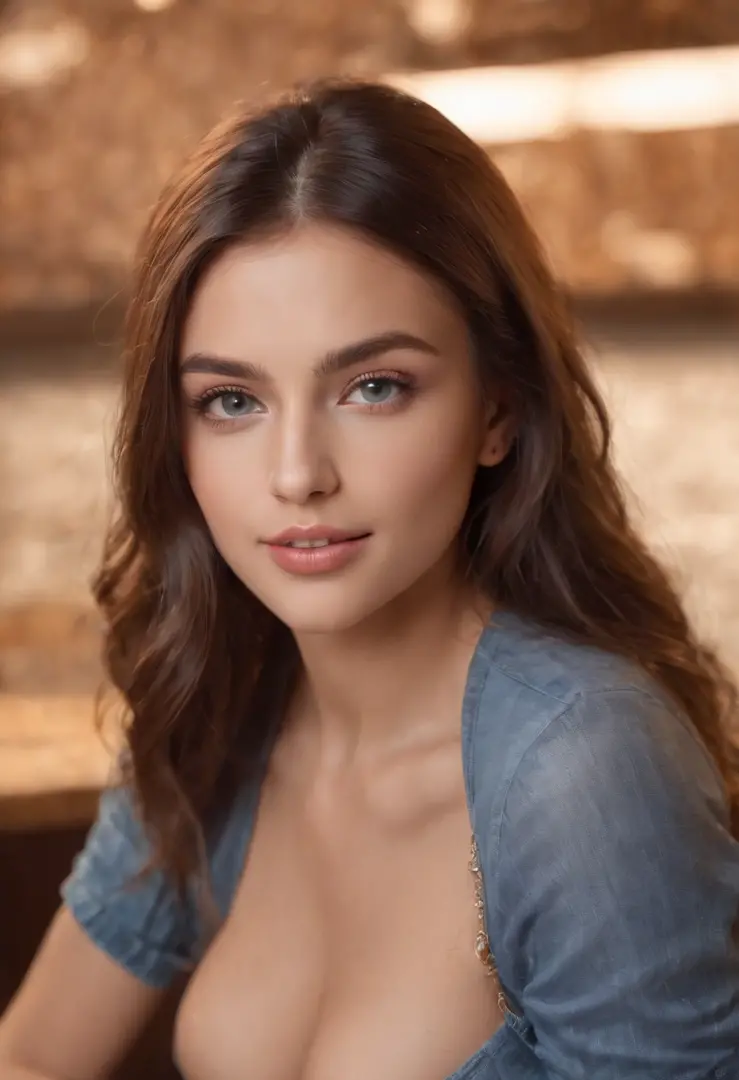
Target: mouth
(314,537)
(321,543)
(322,551)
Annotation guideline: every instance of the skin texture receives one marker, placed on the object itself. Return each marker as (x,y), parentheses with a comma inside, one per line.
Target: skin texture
(361,845)
(318,449)
(308,450)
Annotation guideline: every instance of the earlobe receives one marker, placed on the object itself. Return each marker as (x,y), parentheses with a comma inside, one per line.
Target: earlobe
(492,454)
(496,442)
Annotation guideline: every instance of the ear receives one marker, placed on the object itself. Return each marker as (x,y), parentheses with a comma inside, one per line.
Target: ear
(500,430)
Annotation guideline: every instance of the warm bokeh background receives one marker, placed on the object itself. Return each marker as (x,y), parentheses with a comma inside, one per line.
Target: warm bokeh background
(101,99)
(616,123)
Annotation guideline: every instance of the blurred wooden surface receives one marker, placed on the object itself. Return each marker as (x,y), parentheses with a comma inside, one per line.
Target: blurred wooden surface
(53,762)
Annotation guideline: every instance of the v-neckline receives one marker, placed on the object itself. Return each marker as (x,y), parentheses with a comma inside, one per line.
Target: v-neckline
(235,839)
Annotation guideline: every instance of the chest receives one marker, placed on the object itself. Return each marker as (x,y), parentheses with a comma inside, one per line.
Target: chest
(350,946)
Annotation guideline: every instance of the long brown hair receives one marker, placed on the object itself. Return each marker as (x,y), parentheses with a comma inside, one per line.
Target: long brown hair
(547,534)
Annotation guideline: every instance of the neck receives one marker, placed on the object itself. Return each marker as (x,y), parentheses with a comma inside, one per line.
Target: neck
(394,679)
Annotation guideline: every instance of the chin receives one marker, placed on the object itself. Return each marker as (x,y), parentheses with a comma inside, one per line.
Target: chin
(323,618)
(343,603)
(329,607)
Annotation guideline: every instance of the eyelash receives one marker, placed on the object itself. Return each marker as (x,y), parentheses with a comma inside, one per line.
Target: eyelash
(405,383)
(202,401)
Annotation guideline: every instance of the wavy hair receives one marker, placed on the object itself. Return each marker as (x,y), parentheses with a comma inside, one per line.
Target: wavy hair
(194,654)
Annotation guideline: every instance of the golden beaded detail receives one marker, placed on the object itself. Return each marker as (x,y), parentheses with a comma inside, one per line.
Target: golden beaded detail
(482,941)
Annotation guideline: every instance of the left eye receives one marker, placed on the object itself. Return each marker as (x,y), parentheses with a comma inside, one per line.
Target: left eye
(375,392)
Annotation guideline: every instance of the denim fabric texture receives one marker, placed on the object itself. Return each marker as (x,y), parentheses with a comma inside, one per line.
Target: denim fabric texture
(611,879)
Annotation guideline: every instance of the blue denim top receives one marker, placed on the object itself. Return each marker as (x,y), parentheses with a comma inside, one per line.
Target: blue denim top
(611,879)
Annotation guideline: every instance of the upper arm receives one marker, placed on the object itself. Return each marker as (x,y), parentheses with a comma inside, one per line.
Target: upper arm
(618,890)
(139,921)
(119,940)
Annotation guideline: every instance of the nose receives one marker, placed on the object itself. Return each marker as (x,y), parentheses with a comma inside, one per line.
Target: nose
(302,464)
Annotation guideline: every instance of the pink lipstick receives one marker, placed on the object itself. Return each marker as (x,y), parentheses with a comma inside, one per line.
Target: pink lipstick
(316,549)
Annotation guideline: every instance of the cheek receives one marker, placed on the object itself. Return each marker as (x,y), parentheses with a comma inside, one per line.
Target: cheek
(426,474)
(219,478)
(437,482)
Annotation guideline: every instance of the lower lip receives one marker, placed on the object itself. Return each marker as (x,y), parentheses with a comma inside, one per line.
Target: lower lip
(317,560)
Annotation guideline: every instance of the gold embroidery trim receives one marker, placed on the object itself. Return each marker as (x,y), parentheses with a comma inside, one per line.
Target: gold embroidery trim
(482,941)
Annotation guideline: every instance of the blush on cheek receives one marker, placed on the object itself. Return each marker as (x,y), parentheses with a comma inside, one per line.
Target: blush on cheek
(441,464)
(434,495)
(217,475)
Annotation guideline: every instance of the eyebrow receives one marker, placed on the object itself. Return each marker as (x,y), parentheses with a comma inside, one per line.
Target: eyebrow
(336,360)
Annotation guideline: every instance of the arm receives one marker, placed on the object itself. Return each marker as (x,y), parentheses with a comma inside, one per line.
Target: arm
(116,944)
(618,890)
(77,1012)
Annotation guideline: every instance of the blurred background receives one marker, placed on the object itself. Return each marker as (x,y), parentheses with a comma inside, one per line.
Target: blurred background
(616,123)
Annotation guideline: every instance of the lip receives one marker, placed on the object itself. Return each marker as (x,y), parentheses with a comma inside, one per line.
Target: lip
(343,547)
(316,532)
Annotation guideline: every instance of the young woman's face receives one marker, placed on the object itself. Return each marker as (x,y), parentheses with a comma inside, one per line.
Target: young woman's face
(331,398)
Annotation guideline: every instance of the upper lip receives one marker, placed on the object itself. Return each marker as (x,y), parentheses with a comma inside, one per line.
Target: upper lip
(316,532)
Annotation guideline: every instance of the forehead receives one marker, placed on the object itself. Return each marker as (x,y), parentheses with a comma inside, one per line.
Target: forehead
(310,290)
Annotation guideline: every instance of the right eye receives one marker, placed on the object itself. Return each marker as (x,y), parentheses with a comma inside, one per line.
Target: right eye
(226,405)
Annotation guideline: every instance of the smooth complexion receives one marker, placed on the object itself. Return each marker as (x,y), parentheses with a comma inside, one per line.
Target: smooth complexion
(333,425)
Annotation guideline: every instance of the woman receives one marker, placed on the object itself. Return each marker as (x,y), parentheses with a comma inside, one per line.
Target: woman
(407,692)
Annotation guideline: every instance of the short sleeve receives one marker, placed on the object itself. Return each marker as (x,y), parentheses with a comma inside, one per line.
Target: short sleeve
(141,923)
(618,896)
